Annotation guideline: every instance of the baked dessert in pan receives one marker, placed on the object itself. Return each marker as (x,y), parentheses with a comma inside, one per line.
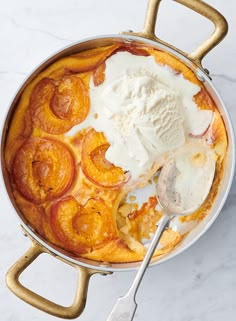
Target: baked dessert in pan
(90,134)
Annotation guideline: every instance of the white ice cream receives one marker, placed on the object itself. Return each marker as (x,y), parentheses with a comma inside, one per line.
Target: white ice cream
(144,109)
(140,118)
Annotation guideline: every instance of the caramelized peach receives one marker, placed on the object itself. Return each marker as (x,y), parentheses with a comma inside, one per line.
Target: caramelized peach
(82,228)
(43,169)
(218,135)
(82,62)
(99,74)
(56,106)
(94,164)
(134,50)
(204,100)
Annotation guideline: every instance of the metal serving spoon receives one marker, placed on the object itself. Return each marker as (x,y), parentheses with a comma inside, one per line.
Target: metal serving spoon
(174,202)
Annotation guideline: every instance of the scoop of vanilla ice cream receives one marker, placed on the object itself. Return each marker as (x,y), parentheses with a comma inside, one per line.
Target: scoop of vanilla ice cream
(140,107)
(147,124)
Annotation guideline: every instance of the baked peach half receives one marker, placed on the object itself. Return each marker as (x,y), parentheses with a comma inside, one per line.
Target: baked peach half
(58,105)
(82,228)
(43,169)
(94,164)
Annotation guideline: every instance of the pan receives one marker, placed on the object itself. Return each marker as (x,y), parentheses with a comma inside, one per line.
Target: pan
(86,268)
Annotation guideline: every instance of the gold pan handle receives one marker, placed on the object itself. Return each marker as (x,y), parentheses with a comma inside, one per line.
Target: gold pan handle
(71,312)
(221,27)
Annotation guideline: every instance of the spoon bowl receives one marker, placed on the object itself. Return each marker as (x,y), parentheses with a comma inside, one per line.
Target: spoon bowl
(186,180)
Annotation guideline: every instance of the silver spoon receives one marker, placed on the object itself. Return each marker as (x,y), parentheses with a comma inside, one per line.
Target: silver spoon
(171,201)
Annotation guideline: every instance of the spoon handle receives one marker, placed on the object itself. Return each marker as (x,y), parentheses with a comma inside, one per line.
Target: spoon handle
(125,307)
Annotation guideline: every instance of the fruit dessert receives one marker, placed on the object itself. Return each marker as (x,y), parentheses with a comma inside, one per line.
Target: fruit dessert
(88,138)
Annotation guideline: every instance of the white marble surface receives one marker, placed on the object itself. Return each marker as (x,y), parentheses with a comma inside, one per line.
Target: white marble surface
(198,285)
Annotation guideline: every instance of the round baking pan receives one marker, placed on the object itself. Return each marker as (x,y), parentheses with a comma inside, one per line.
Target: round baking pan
(87,268)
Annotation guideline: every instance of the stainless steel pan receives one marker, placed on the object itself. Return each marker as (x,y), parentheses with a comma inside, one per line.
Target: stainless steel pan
(86,268)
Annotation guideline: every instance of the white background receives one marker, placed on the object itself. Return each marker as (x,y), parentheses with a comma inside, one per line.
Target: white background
(198,285)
